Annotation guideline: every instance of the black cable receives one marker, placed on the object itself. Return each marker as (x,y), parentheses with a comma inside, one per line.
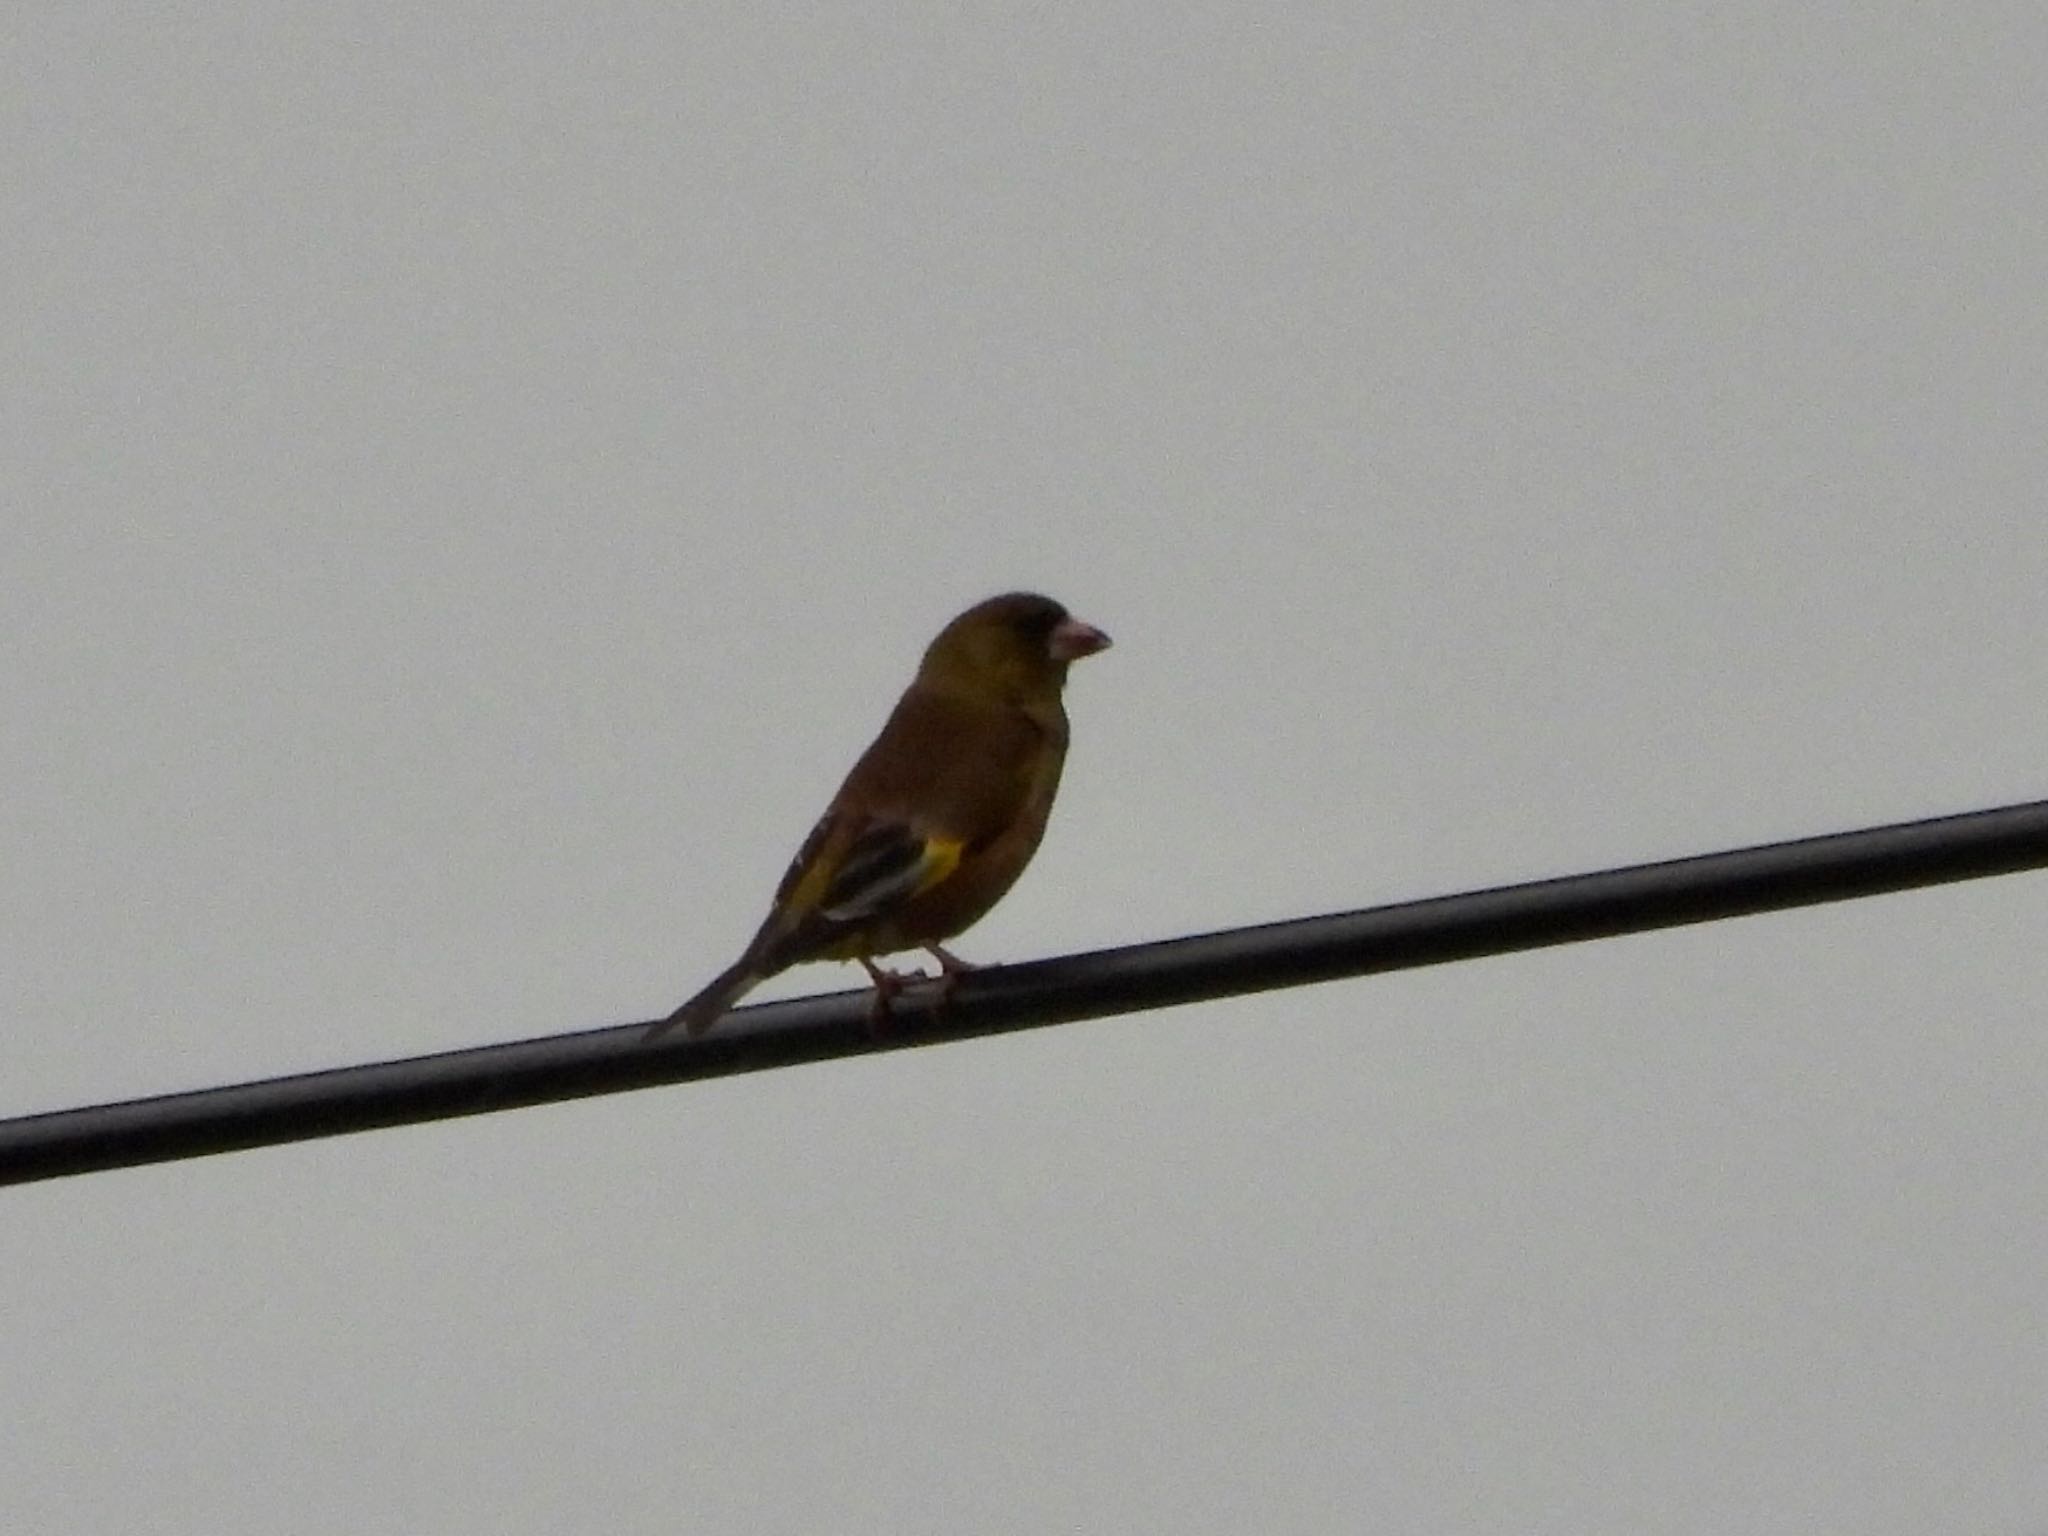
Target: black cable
(1012,997)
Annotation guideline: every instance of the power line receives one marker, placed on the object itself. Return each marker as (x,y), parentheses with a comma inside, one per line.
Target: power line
(1636,899)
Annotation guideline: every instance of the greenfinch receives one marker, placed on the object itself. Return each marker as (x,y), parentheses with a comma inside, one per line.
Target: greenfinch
(940,815)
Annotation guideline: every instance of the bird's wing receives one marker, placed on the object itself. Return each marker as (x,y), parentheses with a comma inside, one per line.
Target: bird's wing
(886,862)
(943,779)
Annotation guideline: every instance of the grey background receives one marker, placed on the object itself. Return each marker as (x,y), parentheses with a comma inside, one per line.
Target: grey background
(474,477)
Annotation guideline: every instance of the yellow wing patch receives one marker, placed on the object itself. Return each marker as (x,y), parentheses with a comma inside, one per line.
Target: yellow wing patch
(886,865)
(941,858)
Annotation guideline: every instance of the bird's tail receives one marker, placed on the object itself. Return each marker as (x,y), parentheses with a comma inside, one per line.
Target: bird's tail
(710,1005)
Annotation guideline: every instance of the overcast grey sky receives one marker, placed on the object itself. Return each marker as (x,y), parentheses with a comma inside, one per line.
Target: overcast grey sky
(476,475)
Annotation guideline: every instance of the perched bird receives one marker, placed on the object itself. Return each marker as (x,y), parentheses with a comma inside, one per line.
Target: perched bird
(940,815)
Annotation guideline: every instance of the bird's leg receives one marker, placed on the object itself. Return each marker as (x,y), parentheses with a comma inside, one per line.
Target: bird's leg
(887,985)
(951,969)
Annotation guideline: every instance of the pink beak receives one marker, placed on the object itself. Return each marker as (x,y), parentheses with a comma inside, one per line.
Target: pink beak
(1071,640)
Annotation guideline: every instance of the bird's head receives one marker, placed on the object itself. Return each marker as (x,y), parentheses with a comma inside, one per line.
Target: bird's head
(1017,645)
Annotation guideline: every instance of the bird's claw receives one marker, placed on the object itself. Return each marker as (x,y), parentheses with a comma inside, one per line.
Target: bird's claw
(888,984)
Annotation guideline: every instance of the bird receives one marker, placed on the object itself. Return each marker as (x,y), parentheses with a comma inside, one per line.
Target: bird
(939,816)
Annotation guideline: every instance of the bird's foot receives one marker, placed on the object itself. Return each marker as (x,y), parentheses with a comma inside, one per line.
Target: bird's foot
(950,964)
(887,985)
(951,969)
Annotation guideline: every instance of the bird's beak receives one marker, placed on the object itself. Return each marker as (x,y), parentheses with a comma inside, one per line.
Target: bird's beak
(1071,640)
